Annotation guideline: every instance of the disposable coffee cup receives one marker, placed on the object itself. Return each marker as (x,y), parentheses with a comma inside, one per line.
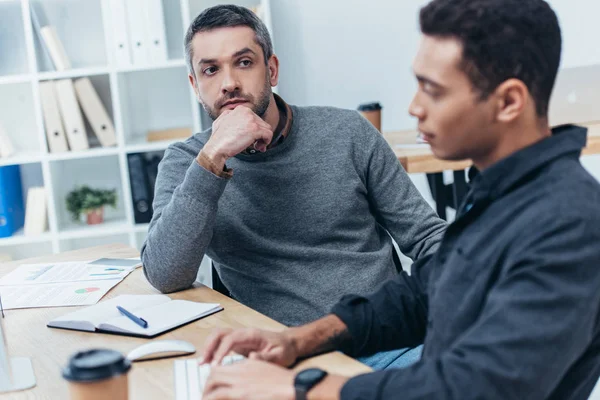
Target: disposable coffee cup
(372,112)
(97,374)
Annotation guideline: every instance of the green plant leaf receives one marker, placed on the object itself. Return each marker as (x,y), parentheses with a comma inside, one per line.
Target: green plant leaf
(84,199)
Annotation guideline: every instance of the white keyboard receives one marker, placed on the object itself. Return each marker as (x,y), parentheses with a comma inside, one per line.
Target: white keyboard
(190,377)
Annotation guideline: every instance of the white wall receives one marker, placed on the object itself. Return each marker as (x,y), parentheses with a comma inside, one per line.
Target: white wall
(344,52)
(579,23)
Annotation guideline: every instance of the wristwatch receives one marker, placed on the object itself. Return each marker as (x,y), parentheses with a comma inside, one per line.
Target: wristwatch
(306,380)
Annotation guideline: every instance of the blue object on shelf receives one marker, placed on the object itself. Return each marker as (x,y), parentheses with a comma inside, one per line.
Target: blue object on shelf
(12,209)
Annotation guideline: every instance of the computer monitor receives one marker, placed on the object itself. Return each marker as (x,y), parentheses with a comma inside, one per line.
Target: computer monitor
(16,373)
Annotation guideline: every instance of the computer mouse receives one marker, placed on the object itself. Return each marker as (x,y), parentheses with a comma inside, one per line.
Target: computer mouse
(161,349)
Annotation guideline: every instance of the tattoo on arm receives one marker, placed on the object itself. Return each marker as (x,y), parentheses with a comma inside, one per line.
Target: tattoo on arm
(340,339)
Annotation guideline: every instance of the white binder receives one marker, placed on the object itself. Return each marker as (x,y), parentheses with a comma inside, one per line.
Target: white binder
(37,17)
(71,115)
(120,25)
(6,146)
(155,31)
(95,112)
(55,134)
(138,40)
(55,48)
(36,212)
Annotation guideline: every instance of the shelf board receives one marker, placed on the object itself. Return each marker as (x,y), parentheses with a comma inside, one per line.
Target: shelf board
(11,79)
(110,227)
(19,238)
(150,67)
(93,152)
(144,147)
(23,157)
(72,73)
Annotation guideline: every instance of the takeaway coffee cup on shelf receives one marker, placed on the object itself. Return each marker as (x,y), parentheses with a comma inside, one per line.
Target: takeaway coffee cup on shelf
(372,112)
(97,374)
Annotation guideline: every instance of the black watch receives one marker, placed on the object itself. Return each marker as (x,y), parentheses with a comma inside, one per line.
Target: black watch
(306,380)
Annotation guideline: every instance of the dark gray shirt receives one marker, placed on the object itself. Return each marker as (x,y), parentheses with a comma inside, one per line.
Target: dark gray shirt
(295,227)
(508,308)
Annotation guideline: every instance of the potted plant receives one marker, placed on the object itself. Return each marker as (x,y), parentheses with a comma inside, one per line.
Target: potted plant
(90,202)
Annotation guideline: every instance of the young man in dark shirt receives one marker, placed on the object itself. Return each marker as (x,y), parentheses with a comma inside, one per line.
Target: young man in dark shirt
(508,307)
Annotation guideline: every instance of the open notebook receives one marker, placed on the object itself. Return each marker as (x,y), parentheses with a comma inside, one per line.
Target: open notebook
(161,313)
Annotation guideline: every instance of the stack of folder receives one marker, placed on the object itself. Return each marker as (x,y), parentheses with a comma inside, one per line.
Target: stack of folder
(36,212)
(12,214)
(143,169)
(139,36)
(63,121)
(60,106)
(48,36)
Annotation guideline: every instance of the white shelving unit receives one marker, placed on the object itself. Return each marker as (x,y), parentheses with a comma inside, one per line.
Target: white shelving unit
(138,98)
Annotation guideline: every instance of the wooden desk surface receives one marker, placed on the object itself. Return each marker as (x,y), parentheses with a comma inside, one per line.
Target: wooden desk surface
(49,349)
(421,159)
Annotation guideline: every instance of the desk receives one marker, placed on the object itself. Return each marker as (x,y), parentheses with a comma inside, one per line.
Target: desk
(421,160)
(50,349)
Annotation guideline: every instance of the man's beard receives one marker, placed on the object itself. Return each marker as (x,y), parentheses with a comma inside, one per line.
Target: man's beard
(259,108)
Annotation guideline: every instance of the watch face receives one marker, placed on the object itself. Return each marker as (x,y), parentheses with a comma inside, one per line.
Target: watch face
(310,376)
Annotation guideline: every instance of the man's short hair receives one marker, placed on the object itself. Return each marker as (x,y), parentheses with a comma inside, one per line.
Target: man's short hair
(224,16)
(501,39)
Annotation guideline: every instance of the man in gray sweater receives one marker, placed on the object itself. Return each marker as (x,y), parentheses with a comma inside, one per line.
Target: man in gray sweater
(295,205)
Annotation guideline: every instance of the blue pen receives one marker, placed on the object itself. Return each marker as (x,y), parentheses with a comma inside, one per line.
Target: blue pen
(140,321)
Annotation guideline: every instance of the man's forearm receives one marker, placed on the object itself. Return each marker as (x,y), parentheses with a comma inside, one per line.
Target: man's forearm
(175,247)
(326,334)
(182,224)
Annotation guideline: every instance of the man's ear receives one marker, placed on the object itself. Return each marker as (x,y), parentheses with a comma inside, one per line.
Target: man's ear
(273,66)
(194,86)
(512,99)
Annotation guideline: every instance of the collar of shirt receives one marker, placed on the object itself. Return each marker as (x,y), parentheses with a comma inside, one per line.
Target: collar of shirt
(283,127)
(506,174)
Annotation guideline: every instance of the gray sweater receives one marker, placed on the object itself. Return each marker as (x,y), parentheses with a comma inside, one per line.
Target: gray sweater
(295,228)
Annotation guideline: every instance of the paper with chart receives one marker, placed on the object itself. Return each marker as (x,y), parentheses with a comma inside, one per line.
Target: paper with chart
(55,294)
(63,284)
(35,274)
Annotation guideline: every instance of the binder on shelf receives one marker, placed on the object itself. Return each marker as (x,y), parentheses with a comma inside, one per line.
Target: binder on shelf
(95,112)
(6,147)
(12,215)
(152,163)
(37,21)
(71,115)
(36,217)
(141,194)
(138,40)
(121,44)
(55,48)
(155,31)
(55,133)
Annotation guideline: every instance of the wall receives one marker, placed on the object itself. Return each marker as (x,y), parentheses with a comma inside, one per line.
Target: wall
(344,52)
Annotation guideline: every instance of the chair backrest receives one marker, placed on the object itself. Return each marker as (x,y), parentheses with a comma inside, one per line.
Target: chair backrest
(217,283)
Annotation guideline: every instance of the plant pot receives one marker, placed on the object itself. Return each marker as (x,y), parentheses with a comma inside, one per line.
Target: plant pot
(96,216)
